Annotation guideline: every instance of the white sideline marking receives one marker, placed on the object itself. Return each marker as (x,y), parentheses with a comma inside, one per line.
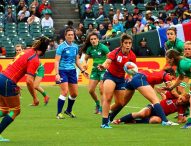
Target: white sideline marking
(132,106)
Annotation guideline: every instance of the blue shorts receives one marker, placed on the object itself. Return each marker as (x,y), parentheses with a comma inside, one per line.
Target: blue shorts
(118,81)
(68,76)
(137,81)
(8,87)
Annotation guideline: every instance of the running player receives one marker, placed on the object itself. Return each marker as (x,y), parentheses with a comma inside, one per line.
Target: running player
(27,63)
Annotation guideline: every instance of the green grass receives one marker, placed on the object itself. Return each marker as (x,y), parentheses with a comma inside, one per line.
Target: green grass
(37,126)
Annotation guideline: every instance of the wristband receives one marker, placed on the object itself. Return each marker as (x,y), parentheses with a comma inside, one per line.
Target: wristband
(189,92)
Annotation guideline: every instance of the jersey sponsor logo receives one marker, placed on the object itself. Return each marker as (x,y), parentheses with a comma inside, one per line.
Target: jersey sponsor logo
(119,59)
(67,51)
(168,102)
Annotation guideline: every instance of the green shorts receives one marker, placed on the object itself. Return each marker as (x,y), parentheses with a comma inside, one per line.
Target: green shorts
(40,71)
(97,74)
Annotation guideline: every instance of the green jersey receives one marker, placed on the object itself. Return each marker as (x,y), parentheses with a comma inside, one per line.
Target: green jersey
(177,45)
(98,53)
(184,66)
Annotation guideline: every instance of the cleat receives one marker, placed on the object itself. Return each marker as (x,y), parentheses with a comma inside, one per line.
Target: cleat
(117,121)
(46,100)
(60,116)
(3,139)
(186,126)
(105,126)
(169,123)
(70,114)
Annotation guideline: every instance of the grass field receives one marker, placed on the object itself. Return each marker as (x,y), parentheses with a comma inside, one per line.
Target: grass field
(38,126)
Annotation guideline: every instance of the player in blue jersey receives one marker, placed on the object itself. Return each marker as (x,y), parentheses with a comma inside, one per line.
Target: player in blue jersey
(66,59)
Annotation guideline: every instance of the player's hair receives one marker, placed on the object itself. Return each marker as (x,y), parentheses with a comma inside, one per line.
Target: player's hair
(173,54)
(68,29)
(87,42)
(171,71)
(173,29)
(187,43)
(125,36)
(41,44)
(20,45)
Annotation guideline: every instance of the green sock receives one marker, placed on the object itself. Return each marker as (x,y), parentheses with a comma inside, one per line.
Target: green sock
(43,94)
(97,103)
(100,109)
(189,120)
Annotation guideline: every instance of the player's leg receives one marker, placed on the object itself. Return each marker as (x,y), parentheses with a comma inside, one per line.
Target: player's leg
(108,90)
(122,97)
(3,108)
(148,92)
(155,120)
(91,89)
(101,95)
(37,86)
(73,90)
(13,102)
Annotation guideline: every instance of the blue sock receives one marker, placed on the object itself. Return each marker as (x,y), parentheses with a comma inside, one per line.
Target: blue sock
(105,121)
(60,105)
(127,118)
(5,122)
(70,104)
(114,113)
(159,112)
(146,120)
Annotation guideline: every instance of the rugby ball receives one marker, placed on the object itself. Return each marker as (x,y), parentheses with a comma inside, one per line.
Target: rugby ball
(130,68)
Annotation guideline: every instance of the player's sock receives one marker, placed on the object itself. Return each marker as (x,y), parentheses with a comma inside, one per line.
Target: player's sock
(5,122)
(104,121)
(146,120)
(43,94)
(127,118)
(114,113)
(60,104)
(159,111)
(97,103)
(1,114)
(71,101)
(188,120)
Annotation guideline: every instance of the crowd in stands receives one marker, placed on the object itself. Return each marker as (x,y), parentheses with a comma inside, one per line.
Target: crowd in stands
(24,20)
(110,18)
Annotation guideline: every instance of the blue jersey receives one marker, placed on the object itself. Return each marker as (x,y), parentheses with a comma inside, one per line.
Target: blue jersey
(68,53)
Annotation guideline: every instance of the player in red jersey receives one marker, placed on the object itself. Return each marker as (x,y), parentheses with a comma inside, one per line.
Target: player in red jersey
(153,78)
(172,102)
(114,77)
(27,63)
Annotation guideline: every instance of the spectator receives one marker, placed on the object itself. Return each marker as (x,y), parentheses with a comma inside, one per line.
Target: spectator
(186,17)
(139,26)
(79,31)
(52,45)
(118,26)
(114,33)
(68,25)
(133,31)
(162,23)
(108,32)
(143,49)
(88,12)
(9,17)
(130,22)
(47,21)
(82,39)
(150,25)
(2,52)
(33,19)
(125,14)
(111,14)
(101,14)
(118,15)
(23,14)
(20,5)
(148,15)
(34,9)
(60,41)
(143,20)
(19,48)
(102,30)
(46,9)
(43,5)
(90,28)
(174,18)
(136,10)
(169,21)
(169,5)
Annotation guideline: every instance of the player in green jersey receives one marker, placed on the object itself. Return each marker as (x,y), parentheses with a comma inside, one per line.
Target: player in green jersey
(97,51)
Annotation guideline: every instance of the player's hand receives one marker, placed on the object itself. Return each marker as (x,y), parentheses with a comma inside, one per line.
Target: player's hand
(57,78)
(85,66)
(100,67)
(86,75)
(167,88)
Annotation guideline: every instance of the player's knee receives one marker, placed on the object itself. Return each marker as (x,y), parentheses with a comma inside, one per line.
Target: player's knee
(155,120)
(74,95)
(91,91)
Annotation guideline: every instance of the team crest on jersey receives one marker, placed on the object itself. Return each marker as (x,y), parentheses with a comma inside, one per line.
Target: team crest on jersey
(67,51)
(99,53)
(119,59)
(168,102)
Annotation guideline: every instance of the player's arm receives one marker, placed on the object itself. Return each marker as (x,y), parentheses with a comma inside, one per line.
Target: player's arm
(56,67)
(161,92)
(177,82)
(105,65)
(85,66)
(30,86)
(78,64)
(175,94)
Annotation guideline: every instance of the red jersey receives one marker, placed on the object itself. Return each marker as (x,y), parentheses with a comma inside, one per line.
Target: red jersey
(156,77)
(26,62)
(169,105)
(118,61)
